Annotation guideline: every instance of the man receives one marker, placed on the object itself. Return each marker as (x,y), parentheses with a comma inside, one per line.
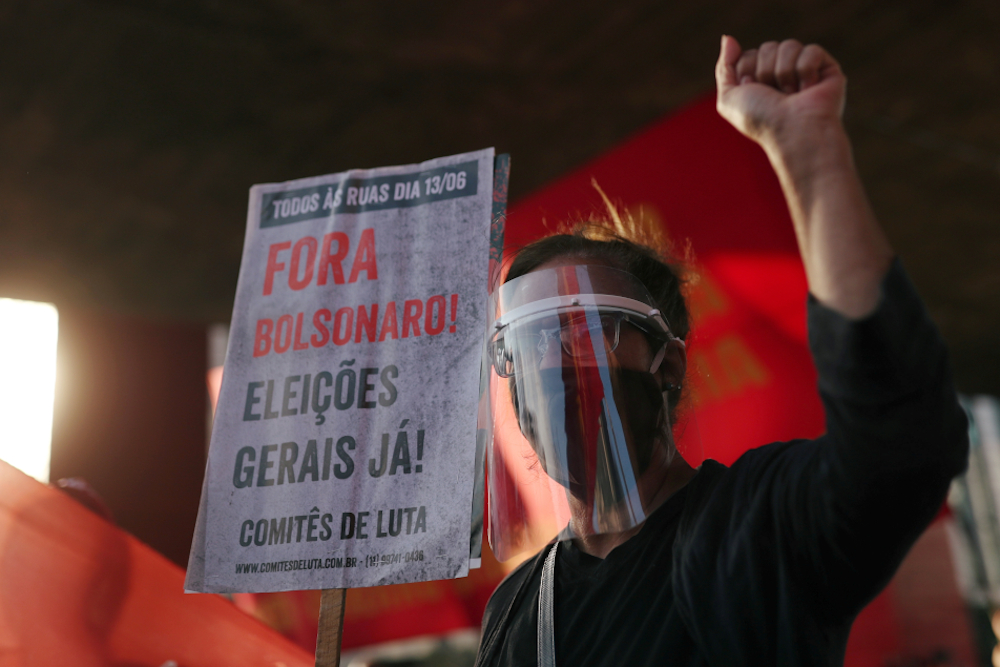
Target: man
(769,561)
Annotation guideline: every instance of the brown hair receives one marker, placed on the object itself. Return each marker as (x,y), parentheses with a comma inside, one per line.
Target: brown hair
(625,242)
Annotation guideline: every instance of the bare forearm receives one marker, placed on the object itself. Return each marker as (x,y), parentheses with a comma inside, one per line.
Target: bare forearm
(789,98)
(845,252)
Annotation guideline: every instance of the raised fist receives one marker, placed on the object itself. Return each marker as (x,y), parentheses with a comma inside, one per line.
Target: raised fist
(779,92)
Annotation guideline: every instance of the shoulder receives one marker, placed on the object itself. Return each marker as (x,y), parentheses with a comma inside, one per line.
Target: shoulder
(499,606)
(747,475)
(508,589)
(721,497)
(729,511)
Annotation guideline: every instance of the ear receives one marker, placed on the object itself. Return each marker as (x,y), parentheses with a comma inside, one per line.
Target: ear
(673,365)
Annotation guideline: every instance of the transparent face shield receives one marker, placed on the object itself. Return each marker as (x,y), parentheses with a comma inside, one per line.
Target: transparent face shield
(580,437)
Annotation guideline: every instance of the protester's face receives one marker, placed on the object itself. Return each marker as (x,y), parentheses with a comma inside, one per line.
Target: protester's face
(567,392)
(634,351)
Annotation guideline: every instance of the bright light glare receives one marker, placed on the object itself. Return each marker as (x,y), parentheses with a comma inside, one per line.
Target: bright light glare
(28,334)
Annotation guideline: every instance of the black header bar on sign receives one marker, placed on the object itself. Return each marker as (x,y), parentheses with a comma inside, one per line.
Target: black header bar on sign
(357,195)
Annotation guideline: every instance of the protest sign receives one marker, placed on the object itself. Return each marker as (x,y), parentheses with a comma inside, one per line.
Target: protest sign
(344,441)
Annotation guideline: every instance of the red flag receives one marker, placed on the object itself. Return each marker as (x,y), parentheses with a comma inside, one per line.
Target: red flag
(74,589)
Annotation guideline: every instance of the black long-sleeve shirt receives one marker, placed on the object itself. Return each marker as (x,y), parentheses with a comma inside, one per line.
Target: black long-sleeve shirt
(769,561)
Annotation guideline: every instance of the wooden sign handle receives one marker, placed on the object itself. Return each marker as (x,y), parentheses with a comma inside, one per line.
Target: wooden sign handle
(331,627)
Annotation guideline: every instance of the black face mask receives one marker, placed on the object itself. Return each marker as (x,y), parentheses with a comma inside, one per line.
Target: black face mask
(572,437)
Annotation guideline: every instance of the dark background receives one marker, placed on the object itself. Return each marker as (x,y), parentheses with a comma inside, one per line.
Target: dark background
(130,133)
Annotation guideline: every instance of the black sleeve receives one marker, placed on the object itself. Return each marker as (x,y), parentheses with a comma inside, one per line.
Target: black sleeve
(858,497)
(777,554)
(517,590)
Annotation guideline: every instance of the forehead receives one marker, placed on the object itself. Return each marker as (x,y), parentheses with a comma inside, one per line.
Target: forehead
(598,281)
(573,260)
(555,320)
(565,282)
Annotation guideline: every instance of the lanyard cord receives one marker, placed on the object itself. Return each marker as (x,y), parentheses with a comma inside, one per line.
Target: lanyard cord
(546,611)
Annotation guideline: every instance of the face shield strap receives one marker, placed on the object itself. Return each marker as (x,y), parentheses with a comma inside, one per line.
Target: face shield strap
(577,300)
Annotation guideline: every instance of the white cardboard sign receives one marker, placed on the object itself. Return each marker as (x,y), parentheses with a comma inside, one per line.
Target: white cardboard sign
(343,446)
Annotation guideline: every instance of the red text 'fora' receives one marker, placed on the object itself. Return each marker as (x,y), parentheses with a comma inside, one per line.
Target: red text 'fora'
(310,260)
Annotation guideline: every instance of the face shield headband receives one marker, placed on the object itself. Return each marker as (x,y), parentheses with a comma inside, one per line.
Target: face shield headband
(576,414)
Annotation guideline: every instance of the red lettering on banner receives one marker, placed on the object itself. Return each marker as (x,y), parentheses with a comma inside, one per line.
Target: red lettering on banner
(273,265)
(707,376)
(364,260)
(286,332)
(344,321)
(434,324)
(298,344)
(412,310)
(329,261)
(706,298)
(739,364)
(307,263)
(309,243)
(321,315)
(262,337)
(369,325)
(726,367)
(389,326)
(284,322)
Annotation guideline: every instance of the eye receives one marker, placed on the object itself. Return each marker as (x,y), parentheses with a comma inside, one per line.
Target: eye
(609,323)
(581,338)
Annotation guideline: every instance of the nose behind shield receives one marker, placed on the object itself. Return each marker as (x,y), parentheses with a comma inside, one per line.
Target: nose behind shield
(575,414)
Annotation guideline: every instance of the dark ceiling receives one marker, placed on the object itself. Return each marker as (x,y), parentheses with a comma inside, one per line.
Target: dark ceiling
(131,131)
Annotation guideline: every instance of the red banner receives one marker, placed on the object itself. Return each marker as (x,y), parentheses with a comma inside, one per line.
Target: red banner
(76,590)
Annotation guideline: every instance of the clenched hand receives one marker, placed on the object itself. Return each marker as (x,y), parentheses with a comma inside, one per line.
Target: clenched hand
(779,92)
